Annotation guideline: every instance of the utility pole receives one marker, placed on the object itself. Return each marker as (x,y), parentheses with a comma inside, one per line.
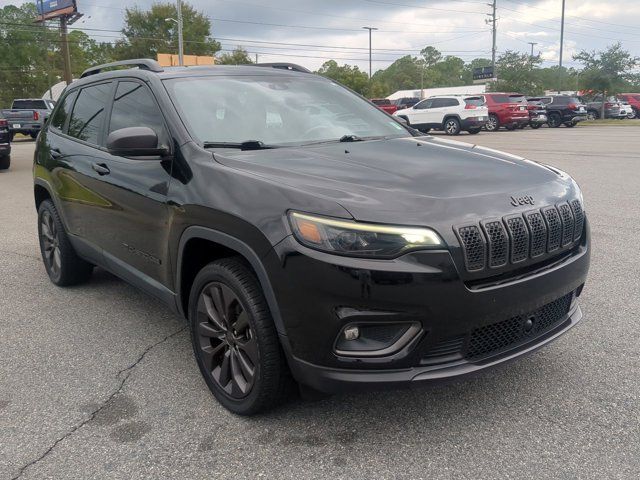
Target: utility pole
(46,46)
(180,40)
(561,46)
(494,32)
(370,29)
(256,58)
(533,44)
(65,50)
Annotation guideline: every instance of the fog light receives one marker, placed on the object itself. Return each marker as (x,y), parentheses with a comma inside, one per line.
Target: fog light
(351,333)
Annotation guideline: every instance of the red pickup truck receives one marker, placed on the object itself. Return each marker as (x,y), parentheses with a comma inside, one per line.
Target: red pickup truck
(385,105)
(507,110)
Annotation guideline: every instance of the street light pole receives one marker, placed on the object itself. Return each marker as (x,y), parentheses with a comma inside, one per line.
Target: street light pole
(533,44)
(180,40)
(46,47)
(370,29)
(561,47)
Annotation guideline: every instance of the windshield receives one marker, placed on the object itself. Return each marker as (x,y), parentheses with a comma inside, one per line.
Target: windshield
(276,110)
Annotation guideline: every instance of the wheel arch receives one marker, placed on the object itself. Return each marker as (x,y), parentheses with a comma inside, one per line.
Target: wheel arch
(201,245)
(41,192)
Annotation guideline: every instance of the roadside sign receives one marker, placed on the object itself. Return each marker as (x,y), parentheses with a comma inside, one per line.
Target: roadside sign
(483,73)
(55,8)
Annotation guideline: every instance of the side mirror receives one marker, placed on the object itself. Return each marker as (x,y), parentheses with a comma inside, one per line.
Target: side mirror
(134,142)
(402,120)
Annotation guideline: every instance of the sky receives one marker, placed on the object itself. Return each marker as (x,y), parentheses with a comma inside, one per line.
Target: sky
(310,32)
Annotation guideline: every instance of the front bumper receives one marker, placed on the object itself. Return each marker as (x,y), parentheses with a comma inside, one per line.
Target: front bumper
(314,289)
(539,119)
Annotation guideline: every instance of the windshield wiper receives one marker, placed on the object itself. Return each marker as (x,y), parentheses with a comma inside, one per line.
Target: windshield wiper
(246,145)
(351,138)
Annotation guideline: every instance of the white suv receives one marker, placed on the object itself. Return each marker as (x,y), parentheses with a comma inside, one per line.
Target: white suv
(449,113)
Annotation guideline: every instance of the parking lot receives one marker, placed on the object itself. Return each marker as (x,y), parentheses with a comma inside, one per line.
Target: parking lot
(98,381)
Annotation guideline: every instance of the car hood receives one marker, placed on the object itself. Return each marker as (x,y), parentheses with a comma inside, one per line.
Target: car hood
(422,179)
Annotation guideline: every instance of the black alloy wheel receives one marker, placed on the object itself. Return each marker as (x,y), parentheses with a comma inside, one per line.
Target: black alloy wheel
(50,244)
(226,341)
(234,338)
(554,120)
(452,126)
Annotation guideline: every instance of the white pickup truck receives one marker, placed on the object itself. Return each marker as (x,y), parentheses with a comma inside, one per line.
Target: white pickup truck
(27,115)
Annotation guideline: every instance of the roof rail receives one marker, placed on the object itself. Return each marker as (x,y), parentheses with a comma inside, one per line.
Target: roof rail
(283,66)
(141,63)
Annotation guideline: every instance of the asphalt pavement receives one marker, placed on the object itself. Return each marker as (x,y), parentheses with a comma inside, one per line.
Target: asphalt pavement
(98,381)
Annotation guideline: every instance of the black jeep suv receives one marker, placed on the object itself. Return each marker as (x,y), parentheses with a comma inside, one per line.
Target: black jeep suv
(305,234)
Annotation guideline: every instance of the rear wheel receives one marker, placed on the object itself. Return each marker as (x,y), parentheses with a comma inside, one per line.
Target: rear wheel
(592,115)
(451,126)
(554,120)
(33,135)
(493,124)
(235,340)
(63,265)
(5,162)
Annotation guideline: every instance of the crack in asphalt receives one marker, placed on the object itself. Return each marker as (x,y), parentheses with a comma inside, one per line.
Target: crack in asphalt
(125,373)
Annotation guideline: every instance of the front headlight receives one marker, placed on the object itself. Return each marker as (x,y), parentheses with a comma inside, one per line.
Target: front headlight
(356,239)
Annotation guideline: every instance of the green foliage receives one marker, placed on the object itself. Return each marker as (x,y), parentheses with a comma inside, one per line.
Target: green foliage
(607,71)
(238,57)
(147,32)
(516,72)
(349,76)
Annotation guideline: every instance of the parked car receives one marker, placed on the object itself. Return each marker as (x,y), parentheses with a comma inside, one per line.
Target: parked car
(342,250)
(506,110)
(27,115)
(632,99)
(537,112)
(612,108)
(385,105)
(5,145)
(627,110)
(405,102)
(564,110)
(452,114)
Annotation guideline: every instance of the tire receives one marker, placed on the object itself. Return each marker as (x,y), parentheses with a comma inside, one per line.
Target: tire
(33,135)
(636,112)
(63,265)
(451,126)
(474,131)
(535,126)
(522,126)
(554,120)
(5,162)
(238,353)
(493,125)
(592,115)
(11,135)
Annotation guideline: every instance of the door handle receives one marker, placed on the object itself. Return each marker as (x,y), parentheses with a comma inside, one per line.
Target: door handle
(55,153)
(101,169)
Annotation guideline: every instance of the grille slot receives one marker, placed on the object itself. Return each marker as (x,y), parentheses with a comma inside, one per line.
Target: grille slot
(538,232)
(519,238)
(444,350)
(578,215)
(495,338)
(473,246)
(498,243)
(554,227)
(567,223)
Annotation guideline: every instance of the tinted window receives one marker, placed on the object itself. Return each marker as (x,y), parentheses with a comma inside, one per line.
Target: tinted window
(560,100)
(381,101)
(423,104)
(60,116)
(134,106)
(475,101)
(88,113)
(517,98)
(29,105)
(502,99)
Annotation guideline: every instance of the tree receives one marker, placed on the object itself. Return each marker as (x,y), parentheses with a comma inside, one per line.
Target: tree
(607,71)
(430,56)
(516,72)
(238,57)
(147,32)
(403,74)
(348,75)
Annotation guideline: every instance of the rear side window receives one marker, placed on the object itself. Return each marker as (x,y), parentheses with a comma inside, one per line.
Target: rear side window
(475,101)
(59,119)
(501,99)
(423,104)
(88,113)
(381,101)
(29,105)
(134,106)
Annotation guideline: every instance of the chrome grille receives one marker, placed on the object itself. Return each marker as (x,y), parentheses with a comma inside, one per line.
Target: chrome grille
(517,238)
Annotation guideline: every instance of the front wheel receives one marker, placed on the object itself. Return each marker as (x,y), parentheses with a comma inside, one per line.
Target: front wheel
(5,162)
(554,120)
(451,126)
(493,124)
(235,340)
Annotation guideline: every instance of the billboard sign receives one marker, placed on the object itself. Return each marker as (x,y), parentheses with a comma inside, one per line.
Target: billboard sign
(483,73)
(55,8)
